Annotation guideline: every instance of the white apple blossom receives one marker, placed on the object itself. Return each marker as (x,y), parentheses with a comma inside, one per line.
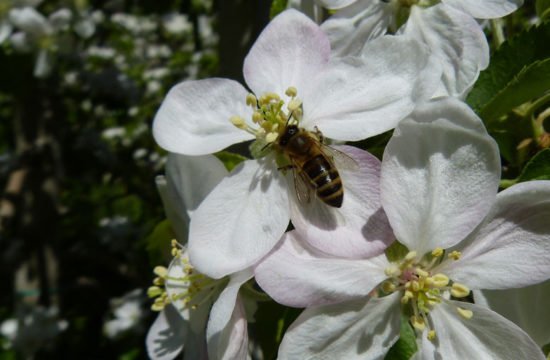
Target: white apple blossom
(456,40)
(199,315)
(290,71)
(441,199)
(38,33)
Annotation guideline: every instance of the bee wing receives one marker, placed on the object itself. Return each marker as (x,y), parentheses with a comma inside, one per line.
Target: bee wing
(301,186)
(342,160)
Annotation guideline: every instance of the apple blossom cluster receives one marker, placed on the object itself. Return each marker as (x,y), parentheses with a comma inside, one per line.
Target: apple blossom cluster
(421,235)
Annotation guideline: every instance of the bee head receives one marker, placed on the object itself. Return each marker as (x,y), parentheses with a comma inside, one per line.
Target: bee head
(289,132)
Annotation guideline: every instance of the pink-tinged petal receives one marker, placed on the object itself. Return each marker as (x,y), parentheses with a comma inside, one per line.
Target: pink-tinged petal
(526,307)
(241,220)
(166,337)
(440,175)
(456,41)
(351,28)
(194,117)
(299,276)
(486,335)
(485,9)
(226,314)
(356,330)
(232,341)
(358,229)
(291,51)
(511,247)
(355,98)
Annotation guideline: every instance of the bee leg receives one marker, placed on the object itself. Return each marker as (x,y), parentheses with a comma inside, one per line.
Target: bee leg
(319,134)
(286,167)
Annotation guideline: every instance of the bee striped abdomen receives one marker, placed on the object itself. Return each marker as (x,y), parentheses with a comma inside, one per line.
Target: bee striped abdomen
(326,180)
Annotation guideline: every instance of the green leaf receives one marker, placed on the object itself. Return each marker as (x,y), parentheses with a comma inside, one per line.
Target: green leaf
(277,6)
(405,347)
(230,160)
(531,82)
(543,8)
(538,168)
(158,242)
(508,62)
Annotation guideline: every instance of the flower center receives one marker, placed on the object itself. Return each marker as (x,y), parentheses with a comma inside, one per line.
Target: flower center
(181,285)
(270,115)
(421,289)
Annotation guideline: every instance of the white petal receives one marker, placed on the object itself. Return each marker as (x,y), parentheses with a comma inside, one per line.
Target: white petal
(298,276)
(486,9)
(352,27)
(226,329)
(291,51)
(510,248)
(166,337)
(196,317)
(360,329)
(240,220)
(360,228)
(5,30)
(526,307)
(440,175)
(486,335)
(60,19)
(335,4)
(21,42)
(392,76)
(194,117)
(44,63)
(457,42)
(30,21)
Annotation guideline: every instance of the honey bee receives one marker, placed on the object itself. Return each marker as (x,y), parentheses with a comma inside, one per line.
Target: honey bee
(313,164)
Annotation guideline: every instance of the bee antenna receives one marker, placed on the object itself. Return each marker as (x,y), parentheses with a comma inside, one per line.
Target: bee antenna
(289,117)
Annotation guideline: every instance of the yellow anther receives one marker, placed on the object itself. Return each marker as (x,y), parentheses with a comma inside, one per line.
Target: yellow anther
(271,137)
(437,252)
(410,256)
(466,314)
(174,243)
(455,255)
(391,270)
(157,307)
(431,335)
(291,91)
(408,285)
(418,322)
(415,286)
(294,104)
(440,280)
(154,291)
(388,287)
(158,281)
(160,271)
(251,100)
(257,117)
(275,127)
(406,297)
(459,290)
(421,272)
(175,252)
(238,122)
